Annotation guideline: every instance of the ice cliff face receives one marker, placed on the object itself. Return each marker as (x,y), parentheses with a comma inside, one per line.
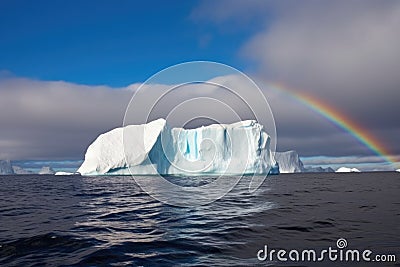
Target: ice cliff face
(227,149)
(6,167)
(289,162)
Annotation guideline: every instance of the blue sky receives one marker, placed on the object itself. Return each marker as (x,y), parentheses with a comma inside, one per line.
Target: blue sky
(106,42)
(69,68)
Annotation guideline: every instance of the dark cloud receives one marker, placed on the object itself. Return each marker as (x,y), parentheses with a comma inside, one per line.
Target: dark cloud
(346,53)
(55,120)
(58,120)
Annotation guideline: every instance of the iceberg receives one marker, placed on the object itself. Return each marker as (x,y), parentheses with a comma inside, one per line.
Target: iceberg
(319,169)
(289,162)
(398,170)
(155,148)
(345,169)
(6,167)
(65,173)
(47,170)
(20,170)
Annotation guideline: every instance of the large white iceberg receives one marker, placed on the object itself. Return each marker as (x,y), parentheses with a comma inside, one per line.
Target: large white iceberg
(155,148)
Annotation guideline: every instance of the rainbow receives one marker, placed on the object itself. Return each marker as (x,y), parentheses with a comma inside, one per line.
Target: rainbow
(339,119)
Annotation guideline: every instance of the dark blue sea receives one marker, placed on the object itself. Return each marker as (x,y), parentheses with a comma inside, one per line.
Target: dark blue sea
(48,220)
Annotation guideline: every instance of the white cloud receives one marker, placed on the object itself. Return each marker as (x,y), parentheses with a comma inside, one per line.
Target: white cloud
(225,10)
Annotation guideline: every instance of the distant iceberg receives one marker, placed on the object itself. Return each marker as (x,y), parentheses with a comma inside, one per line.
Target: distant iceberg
(47,170)
(20,170)
(155,148)
(289,162)
(345,169)
(319,169)
(6,167)
(66,173)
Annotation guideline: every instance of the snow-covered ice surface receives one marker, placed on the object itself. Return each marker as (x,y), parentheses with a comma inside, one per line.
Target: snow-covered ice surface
(345,169)
(107,152)
(398,170)
(155,148)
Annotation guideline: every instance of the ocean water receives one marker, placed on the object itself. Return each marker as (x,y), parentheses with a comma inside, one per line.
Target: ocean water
(109,221)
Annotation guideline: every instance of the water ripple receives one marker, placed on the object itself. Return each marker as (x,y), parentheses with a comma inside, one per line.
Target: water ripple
(110,221)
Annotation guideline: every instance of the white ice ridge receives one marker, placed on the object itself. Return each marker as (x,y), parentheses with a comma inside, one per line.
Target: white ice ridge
(345,169)
(155,148)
